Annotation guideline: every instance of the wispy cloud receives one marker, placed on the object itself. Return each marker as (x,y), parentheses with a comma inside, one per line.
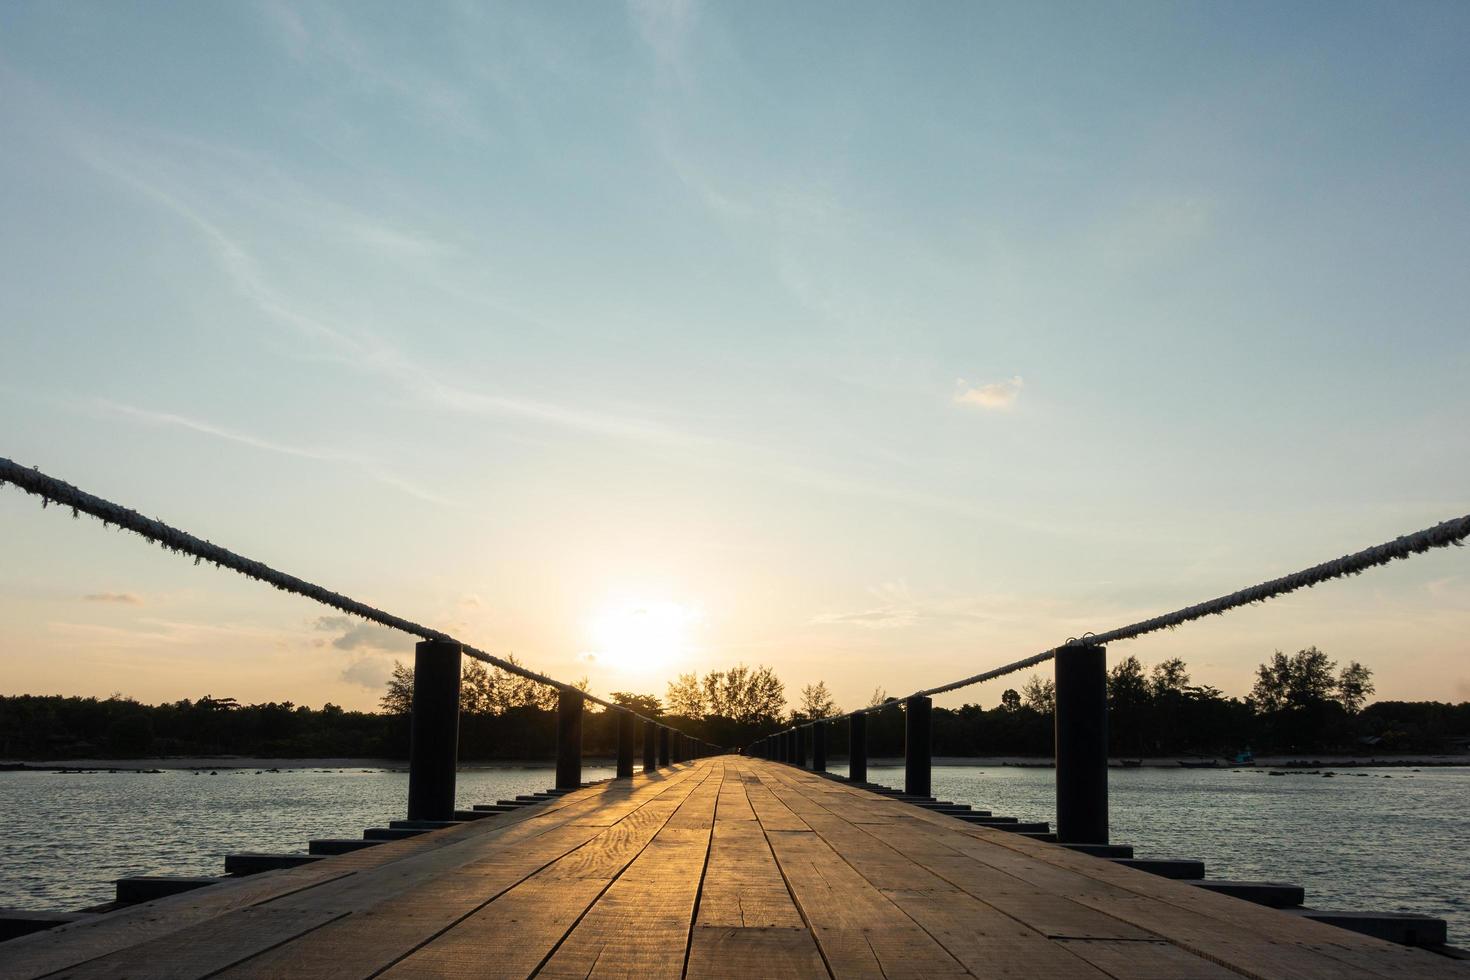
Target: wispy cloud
(995,396)
(372,356)
(121,598)
(665,26)
(322,36)
(370,467)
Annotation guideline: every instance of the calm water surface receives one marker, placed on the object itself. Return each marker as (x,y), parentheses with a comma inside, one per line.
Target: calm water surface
(68,836)
(1355,841)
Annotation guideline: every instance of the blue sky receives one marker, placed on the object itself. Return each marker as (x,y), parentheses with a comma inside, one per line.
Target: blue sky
(882,343)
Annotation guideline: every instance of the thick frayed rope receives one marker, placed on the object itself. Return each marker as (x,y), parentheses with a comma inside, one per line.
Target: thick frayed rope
(1440,536)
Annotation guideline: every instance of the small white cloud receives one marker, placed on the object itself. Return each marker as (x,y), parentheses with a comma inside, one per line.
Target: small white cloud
(369,672)
(363,636)
(998,395)
(124,598)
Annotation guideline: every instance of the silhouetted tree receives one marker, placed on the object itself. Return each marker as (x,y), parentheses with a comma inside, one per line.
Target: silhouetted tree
(1039,694)
(644,704)
(398,698)
(1354,685)
(685,697)
(816,702)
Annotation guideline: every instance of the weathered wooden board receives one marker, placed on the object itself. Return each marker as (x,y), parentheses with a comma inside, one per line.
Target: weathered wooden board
(725,867)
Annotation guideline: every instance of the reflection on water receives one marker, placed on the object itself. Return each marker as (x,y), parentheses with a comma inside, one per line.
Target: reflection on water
(69,835)
(1360,840)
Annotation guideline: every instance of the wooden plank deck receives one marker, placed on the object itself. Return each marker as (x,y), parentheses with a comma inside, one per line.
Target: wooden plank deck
(725,867)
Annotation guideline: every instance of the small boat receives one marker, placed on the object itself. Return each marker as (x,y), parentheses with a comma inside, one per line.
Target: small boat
(1130,763)
(1201,764)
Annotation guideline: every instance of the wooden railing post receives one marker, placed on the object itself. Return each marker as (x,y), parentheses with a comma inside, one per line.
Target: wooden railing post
(663,747)
(433,730)
(857,748)
(625,744)
(1082,744)
(801,746)
(819,746)
(650,746)
(568,739)
(917,746)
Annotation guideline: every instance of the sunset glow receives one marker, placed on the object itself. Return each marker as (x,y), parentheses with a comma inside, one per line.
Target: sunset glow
(639,637)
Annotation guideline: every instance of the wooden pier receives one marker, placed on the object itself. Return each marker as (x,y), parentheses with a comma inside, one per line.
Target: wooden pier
(721,867)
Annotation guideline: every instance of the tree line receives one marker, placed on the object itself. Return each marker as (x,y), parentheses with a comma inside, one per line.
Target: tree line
(1300,703)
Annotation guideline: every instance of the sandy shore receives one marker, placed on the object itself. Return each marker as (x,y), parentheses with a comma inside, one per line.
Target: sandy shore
(250,762)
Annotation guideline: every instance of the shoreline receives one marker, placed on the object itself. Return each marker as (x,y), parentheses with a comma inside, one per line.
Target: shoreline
(232,762)
(238,762)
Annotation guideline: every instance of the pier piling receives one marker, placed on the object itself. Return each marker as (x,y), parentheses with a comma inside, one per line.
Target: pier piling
(433,730)
(917,745)
(857,748)
(569,739)
(625,745)
(1082,744)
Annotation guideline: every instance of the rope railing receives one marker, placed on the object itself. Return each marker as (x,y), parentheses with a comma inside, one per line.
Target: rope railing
(1442,535)
(54,491)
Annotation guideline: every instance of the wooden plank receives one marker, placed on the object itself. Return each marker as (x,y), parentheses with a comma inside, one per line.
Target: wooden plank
(730,953)
(513,934)
(641,924)
(859,931)
(1253,939)
(743,887)
(392,925)
(1144,961)
(902,857)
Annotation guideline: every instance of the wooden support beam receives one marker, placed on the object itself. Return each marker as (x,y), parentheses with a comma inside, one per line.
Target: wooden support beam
(1082,744)
(625,744)
(650,746)
(568,739)
(434,730)
(857,748)
(819,746)
(917,745)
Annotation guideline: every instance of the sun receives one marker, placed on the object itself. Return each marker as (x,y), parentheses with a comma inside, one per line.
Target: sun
(642,636)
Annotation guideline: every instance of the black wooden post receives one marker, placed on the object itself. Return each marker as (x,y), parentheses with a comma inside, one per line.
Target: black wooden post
(1082,744)
(568,739)
(433,731)
(650,746)
(663,747)
(819,746)
(857,748)
(917,746)
(801,746)
(625,744)
(676,747)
